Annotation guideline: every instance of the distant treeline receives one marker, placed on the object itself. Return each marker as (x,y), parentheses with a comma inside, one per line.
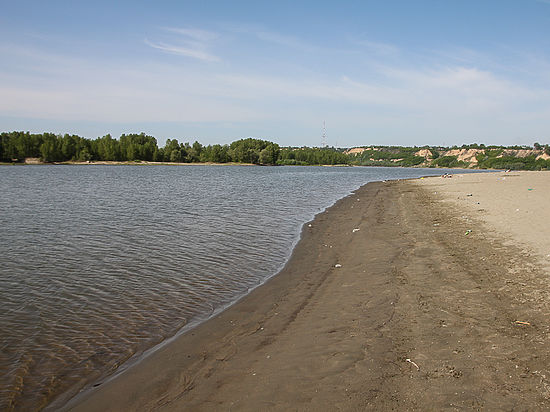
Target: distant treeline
(389,156)
(49,147)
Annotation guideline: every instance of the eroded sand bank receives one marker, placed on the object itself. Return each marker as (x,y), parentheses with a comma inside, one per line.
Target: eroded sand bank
(407,312)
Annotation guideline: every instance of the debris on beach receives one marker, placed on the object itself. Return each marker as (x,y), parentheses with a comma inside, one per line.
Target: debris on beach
(468,232)
(338,265)
(413,363)
(355,230)
(522,323)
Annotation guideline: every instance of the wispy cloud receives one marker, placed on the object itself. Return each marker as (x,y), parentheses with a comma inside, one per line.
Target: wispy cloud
(188,42)
(184,93)
(197,34)
(273,37)
(195,53)
(396,95)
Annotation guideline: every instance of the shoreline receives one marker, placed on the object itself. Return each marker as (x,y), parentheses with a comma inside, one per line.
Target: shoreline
(72,395)
(94,357)
(69,396)
(123,163)
(151,163)
(265,289)
(415,313)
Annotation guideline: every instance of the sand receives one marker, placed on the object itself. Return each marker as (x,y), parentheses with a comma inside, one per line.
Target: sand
(515,205)
(385,304)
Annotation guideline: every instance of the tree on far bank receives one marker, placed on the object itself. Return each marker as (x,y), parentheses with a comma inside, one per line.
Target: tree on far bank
(50,150)
(248,150)
(269,155)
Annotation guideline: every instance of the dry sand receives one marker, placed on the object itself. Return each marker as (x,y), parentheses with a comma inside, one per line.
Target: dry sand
(514,205)
(407,313)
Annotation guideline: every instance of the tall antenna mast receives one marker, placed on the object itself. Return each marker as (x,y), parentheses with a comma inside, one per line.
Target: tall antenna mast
(324,136)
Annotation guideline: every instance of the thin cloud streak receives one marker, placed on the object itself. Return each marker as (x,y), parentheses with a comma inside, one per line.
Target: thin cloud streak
(269,36)
(193,43)
(197,34)
(183,51)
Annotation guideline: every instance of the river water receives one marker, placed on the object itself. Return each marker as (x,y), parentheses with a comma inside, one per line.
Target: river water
(99,263)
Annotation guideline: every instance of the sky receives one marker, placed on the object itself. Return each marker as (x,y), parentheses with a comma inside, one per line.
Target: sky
(391,72)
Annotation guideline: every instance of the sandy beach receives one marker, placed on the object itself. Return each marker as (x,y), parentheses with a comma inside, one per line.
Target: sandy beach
(515,205)
(430,294)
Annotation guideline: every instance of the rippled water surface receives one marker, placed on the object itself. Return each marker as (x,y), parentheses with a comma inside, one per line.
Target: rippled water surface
(99,263)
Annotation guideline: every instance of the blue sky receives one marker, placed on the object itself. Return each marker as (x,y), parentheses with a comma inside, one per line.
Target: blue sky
(378,72)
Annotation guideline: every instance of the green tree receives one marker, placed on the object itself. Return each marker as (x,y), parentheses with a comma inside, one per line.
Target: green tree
(247,150)
(68,146)
(175,156)
(312,156)
(137,147)
(194,153)
(9,151)
(50,149)
(108,148)
(270,154)
(219,154)
(84,155)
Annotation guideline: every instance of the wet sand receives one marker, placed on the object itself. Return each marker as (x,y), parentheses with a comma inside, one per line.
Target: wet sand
(407,313)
